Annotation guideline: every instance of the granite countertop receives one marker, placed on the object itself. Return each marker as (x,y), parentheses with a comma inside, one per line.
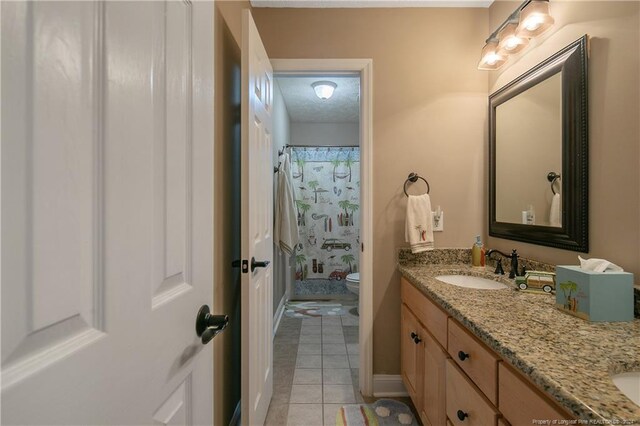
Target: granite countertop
(568,358)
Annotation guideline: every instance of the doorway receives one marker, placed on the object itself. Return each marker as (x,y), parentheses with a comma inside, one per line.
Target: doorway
(334,155)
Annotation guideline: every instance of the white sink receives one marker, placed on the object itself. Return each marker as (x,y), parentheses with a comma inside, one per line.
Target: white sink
(629,384)
(468,281)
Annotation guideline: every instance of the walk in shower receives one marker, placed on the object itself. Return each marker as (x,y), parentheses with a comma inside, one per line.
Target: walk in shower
(327,198)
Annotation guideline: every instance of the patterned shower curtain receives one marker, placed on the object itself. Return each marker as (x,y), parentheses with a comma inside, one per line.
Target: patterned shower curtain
(327,196)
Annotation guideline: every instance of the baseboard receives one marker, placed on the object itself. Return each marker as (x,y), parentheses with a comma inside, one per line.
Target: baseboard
(279,312)
(235,419)
(388,385)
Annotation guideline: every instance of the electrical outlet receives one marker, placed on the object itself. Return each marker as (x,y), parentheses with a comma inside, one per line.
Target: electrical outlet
(438,221)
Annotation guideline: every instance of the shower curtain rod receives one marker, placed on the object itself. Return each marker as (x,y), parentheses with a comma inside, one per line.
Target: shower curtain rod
(322,146)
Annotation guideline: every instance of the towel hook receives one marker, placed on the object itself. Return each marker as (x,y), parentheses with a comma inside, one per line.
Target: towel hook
(413,177)
(553,177)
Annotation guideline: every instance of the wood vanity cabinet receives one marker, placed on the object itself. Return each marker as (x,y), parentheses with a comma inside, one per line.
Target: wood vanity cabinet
(423,357)
(455,379)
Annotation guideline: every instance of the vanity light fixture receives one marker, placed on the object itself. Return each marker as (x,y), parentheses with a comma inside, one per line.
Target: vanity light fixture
(324,89)
(529,20)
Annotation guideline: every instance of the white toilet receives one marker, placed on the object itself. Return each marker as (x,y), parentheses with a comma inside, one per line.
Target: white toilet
(353,283)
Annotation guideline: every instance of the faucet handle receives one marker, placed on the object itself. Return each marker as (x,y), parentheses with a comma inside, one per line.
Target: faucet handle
(499,270)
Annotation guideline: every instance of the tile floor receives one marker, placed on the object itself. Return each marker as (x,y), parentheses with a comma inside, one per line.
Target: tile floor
(315,369)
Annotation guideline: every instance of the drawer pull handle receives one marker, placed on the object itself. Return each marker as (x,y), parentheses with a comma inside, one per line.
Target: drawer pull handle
(417,339)
(462,355)
(413,335)
(462,415)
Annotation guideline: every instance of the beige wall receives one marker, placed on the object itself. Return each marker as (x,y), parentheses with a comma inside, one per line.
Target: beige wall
(227,227)
(614,117)
(429,114)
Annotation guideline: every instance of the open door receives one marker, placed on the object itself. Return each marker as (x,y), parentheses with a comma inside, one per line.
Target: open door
(257,225)
(107,212)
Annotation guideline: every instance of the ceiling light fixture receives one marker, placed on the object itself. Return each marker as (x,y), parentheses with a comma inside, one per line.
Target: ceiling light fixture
(529,20)
(324,89)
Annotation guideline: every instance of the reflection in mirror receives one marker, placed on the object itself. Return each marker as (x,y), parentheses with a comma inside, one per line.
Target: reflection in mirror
(528,147)
(538,140)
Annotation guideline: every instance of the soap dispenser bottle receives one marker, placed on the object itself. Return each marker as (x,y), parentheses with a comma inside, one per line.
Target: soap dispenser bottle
(477,253)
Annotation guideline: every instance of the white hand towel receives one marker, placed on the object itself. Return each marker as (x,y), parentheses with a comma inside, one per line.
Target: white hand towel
(419,227)
(598,265)
(285,230)
(554,211)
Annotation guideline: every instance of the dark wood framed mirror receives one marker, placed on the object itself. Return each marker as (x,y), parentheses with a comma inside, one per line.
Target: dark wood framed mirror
(538,153)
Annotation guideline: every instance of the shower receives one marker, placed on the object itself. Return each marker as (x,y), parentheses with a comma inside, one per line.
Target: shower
(327,200)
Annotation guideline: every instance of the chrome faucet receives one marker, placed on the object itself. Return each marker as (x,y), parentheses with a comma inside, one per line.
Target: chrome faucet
(514,261)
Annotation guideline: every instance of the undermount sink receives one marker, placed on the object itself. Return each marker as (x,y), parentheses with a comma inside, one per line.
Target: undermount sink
(469,281)
(629,384)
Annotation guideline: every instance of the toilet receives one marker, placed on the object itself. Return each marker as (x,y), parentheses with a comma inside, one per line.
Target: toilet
(353,283)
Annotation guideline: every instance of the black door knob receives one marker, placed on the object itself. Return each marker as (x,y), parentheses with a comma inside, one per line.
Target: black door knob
(257,264)
(462,355)
(209,326)
(417,340)
(461,415)
(413,335)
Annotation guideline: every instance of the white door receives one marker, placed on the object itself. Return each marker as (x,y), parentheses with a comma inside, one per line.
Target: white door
(257,225)
(107,204)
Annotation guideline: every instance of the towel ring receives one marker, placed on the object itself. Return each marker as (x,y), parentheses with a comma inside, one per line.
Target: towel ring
(553,177)
(413,177)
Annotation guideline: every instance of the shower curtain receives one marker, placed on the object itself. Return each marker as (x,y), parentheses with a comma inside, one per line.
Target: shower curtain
(327,197)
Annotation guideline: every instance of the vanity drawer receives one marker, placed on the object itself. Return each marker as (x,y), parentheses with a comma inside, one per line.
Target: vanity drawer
(520,402)
(475,359)
(464,398)
(428,313)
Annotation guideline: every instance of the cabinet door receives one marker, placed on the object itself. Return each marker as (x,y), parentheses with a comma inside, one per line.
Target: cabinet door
(433,409)
(411,346)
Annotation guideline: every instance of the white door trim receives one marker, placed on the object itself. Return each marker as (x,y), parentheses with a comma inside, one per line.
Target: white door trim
(365,68)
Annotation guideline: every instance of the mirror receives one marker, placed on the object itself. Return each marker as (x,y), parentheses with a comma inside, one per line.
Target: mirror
(538,138)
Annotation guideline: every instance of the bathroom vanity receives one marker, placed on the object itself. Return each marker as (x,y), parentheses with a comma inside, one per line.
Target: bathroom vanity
(499,357)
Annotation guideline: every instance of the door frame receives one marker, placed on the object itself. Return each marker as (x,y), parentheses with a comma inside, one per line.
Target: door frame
(364,67)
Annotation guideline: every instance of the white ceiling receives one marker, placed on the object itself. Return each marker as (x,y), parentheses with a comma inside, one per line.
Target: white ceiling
(370,3)
(305,107)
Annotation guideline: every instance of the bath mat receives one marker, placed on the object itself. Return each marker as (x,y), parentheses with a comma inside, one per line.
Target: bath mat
(383,412)
(313,309)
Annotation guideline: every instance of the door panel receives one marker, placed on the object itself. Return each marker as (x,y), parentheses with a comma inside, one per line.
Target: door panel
(257,223)
(107,204)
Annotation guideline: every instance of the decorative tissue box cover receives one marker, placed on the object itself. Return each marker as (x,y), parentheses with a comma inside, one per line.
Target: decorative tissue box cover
(594,296)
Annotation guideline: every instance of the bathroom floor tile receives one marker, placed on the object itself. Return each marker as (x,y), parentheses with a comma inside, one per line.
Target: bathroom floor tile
(353,348)
(326,320)
(309,349)
(337,376)
(311,338)
(312,321)
(311,330)
(304,415)
(309,361)
(330,411)
(305,394)
(335,361)
(342,394)
(331,329)
(334,349)
(277,415)
(354,361)
(333,338)
(307,376)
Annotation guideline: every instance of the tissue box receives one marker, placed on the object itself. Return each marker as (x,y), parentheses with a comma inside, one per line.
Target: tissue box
(594,296)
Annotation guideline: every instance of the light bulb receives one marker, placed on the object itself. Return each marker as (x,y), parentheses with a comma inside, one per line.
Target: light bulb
(491,59)
(533,22)
(511,43)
